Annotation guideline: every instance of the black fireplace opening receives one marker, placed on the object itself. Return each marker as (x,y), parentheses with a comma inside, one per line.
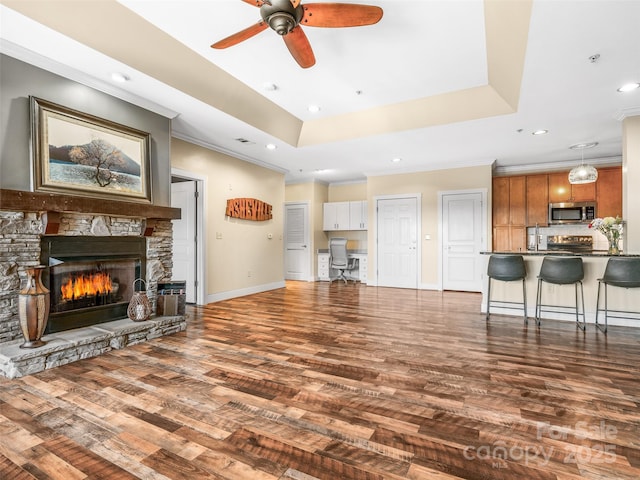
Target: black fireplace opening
(91,279)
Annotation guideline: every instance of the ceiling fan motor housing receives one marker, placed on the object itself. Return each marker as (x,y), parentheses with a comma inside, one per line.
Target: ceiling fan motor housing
(281,15)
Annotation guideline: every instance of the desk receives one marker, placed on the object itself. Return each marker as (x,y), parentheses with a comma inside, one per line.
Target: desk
(325,273)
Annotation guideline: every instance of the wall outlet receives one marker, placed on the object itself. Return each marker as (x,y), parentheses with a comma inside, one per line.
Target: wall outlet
(219,235)
(248,273)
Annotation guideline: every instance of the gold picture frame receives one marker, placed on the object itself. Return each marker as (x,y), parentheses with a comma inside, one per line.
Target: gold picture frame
(80,154)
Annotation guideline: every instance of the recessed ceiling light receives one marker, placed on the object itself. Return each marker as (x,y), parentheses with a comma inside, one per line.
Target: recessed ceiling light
(540,132)
(629,87)
(119,77)
(583,146)
(313,108)
(396,160)
(270,146)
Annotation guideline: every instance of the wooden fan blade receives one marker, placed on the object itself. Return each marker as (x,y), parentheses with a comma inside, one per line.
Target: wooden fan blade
(255,3)
(299,46)
(339,15)
(242,35)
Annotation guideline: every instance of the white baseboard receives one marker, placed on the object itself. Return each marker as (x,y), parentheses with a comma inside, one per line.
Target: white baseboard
(216,297)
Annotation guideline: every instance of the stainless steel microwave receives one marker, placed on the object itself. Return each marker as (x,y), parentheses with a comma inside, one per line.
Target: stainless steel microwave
(576,212)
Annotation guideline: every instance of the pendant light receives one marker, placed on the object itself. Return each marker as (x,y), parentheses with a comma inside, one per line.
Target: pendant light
(583,173)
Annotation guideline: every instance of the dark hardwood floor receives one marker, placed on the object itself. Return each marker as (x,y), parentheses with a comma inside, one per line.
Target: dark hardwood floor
(337,382)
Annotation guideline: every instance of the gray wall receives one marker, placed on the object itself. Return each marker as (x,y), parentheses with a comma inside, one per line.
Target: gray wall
(19,80)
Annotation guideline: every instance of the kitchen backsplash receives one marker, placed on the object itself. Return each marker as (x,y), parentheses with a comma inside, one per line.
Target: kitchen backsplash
(599,240)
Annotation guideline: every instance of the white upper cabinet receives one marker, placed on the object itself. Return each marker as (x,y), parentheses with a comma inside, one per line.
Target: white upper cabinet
(358,215)
(345,216)
(336,216)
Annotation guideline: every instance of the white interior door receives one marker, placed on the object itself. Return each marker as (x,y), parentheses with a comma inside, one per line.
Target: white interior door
(297,251)
(462,241)
(183,196)
(397,259)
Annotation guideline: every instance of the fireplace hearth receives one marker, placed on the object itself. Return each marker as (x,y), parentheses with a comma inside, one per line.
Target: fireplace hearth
(91,279)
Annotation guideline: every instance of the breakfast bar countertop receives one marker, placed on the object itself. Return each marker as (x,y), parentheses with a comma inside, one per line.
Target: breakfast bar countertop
(594,264)
(592,253)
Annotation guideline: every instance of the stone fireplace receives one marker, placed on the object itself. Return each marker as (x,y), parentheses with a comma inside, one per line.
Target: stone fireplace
(79,240)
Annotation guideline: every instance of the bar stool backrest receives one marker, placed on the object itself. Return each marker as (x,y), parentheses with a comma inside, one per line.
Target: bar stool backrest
(506,267)
(561,270)
(622,272)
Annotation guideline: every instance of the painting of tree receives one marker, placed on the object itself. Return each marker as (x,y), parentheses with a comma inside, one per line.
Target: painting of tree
(102,156)
(75,152)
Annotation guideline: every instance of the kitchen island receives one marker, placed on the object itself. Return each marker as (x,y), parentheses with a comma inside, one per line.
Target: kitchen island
(562,295)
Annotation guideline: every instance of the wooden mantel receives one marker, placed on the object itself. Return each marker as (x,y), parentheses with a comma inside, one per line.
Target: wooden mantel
(21,201)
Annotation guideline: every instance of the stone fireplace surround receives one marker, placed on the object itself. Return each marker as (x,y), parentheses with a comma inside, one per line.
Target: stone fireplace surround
(25,217)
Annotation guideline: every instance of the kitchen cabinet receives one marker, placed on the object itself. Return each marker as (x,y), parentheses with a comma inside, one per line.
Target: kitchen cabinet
(358,215)
(537,200)
(509,238)
(609,192)
(336,216)
(509,213)
(560,190)
(542,189)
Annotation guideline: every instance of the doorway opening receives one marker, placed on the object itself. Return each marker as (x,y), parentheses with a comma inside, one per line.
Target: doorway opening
(188,233)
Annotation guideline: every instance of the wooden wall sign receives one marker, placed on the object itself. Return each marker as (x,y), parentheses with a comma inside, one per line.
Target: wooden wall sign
(248,209)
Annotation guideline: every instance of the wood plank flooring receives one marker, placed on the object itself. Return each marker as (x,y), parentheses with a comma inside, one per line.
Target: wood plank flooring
(320,381)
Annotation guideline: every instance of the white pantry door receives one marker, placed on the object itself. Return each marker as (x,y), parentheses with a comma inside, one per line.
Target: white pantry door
(397,240)
(462,240)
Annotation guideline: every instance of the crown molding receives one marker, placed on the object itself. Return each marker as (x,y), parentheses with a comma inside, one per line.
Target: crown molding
(226,151)
(431,167)
(626,113)
(555,166)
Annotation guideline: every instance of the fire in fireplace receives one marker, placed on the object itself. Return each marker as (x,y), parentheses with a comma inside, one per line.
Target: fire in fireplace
(76,285)
(91,279)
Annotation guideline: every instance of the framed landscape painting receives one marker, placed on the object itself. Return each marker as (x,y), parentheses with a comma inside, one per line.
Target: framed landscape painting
(77,153)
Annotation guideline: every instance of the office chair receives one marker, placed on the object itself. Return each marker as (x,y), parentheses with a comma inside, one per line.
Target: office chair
(339,259)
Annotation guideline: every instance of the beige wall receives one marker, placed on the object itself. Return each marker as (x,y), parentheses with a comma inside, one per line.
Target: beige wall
(315,194)
(347,192)
(428,184)
(243,257)
(631,182)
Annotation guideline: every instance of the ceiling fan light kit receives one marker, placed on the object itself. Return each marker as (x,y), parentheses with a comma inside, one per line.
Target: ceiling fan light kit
(286,16)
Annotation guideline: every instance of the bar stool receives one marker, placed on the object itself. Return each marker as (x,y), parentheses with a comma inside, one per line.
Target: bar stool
(620,272)
(561,271)
(506,268)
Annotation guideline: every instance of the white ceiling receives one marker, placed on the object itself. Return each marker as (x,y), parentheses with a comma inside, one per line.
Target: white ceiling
(419,50)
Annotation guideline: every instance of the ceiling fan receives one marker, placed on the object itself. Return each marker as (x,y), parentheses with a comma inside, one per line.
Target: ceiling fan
(287,16)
